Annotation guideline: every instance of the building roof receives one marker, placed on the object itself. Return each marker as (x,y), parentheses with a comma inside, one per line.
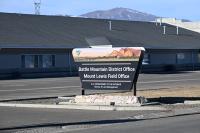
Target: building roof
(39,31)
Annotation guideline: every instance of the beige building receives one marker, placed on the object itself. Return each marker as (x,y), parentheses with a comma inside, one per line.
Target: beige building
(194,26)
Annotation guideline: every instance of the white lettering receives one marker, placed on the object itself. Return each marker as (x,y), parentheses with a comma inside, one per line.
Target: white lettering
(89,76)
(101,76)
(128,69)
(124,76)
(83,69)
(98,69)
(113,69)
(112,76)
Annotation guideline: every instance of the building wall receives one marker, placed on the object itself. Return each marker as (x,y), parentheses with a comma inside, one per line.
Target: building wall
(194,26)
(12,64)
(10,61)
(158,60)
(13,61)
(184,58)
(171,60)
(65,61)
(62,60)
(173,56)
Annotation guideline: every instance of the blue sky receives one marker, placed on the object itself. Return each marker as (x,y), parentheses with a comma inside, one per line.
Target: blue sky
(186,9)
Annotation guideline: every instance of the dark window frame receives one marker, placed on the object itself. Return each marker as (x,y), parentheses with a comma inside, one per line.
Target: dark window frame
(38,61)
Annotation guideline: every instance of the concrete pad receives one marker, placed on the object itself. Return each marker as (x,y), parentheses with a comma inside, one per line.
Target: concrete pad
(105,99)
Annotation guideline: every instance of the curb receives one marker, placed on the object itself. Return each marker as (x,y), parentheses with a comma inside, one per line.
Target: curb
(23,99)
(84,107)
(33,98)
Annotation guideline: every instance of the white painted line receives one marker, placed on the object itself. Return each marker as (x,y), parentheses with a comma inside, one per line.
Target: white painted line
(31,81)
(47,88)
(168,81)
(13,85)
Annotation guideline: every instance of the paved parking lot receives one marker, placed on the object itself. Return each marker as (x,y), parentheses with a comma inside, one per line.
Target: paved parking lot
(19,117)
(13,118)
(45,87)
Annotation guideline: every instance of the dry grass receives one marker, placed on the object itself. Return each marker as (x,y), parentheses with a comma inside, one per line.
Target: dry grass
(171,92)
(166,92)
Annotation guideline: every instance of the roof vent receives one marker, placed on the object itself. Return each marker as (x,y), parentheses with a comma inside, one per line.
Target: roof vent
(98,42)
(110,25)
(164,29)
(156,23)
(177,30)
(160,21)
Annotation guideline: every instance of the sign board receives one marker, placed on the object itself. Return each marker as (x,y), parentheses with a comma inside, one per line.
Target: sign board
(108,68)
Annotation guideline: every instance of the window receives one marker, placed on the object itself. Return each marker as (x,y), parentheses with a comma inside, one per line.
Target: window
(199,56)
(184,58)
(29,61)
(38,61)
(146,59)
(48,61)
(180,56)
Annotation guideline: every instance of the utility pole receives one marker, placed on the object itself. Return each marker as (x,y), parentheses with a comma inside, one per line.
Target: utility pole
(37,4)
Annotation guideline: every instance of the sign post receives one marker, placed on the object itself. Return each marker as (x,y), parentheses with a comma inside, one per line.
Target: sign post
(109,68)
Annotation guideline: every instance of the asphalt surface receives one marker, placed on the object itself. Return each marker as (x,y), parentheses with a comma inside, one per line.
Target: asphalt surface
(18,118)
(47,87)
(181,124)
(22,119)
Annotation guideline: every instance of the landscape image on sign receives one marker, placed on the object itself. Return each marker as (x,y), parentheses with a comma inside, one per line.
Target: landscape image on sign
(107,54)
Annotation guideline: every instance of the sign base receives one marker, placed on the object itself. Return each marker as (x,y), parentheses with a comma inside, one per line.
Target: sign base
(99,99)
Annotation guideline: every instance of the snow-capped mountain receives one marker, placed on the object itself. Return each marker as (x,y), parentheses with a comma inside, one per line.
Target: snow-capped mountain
(121,14)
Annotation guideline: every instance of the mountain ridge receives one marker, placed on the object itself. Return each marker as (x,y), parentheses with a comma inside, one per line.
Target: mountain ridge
(120,13)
